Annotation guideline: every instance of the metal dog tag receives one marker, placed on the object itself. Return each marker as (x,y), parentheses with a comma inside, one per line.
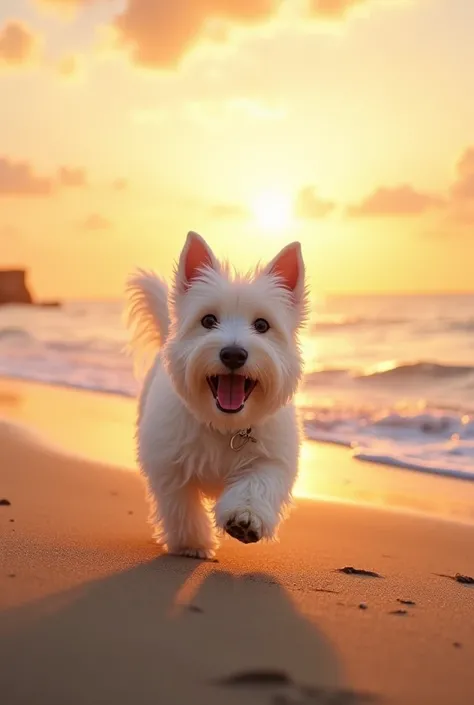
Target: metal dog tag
(241,438)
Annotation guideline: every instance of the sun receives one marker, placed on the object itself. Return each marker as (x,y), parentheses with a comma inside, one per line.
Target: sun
(272,210)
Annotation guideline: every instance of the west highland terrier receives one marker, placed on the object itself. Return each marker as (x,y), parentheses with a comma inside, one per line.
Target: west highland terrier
(216,422)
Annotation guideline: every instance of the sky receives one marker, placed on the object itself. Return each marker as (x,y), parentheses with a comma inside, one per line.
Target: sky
(345,124)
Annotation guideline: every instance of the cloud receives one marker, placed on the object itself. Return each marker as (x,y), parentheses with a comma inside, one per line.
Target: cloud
(9,232)
(456,204)
(460,212)
(69,66)
(17,44)
(309,205)
(72,177)
(158,33)
(401,200)
(18,179)
(333,9)
(66,6)
(228,210)
(65,3)
(96,221)
(120,184)
(463,187)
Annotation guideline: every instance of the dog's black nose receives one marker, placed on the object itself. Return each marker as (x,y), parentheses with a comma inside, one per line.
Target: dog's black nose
(233,357)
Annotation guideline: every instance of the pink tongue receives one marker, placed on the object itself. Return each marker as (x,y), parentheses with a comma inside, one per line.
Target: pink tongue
(230,391)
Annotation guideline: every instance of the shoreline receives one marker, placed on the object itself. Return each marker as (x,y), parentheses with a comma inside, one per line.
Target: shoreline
(99,427)
(447,452)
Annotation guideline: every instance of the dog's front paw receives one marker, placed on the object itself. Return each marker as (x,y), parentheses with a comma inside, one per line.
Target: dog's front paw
(244,526)
(202,554)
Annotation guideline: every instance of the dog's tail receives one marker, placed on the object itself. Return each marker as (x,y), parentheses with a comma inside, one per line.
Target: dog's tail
(147,316)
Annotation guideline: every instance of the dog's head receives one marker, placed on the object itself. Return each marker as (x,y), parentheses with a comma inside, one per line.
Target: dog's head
(233,352)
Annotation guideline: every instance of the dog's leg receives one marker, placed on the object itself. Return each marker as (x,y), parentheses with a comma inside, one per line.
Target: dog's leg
(182,521)
(251,507)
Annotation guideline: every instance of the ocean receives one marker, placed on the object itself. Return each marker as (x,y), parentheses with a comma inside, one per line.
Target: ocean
(389,377)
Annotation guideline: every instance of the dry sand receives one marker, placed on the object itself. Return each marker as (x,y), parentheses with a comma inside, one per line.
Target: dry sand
(92,613)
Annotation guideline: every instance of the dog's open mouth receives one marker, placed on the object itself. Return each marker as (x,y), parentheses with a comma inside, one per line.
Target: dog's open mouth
(231,391)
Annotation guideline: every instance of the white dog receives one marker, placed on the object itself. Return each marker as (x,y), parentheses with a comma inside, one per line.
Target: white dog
(215,418)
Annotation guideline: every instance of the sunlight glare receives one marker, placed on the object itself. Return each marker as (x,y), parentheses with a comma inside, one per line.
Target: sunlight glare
(273,210)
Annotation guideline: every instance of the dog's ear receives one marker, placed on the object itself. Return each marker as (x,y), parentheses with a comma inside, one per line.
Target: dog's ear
(288,266)
(196,255)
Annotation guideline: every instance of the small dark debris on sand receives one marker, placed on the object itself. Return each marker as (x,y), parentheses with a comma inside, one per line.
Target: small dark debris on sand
(11,575)
(195,608)
(297,694)
(457,644)
(399,613)
(5,502)
(325,696)
(349,570)
(406,602)
(263,677)
(465,579)
(130,511)
(458,577)
(11,521)
(363,606)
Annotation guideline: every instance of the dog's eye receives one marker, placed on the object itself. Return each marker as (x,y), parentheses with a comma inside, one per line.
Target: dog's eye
(209,321)
(261,325)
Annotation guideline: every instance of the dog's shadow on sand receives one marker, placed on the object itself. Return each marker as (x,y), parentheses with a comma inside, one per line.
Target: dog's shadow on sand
(168,631)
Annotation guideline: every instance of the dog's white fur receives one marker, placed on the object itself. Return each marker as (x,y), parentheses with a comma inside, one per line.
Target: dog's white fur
(183,439)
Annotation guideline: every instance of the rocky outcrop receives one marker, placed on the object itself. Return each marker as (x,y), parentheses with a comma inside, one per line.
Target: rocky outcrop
(13,287)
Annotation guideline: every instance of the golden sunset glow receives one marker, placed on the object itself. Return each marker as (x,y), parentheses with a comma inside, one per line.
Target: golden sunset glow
(272,210)
(254,126)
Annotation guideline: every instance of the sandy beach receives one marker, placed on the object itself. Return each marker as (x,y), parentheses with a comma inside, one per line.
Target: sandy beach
(92,612)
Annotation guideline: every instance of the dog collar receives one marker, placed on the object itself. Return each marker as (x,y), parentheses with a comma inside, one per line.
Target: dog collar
(241,438)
